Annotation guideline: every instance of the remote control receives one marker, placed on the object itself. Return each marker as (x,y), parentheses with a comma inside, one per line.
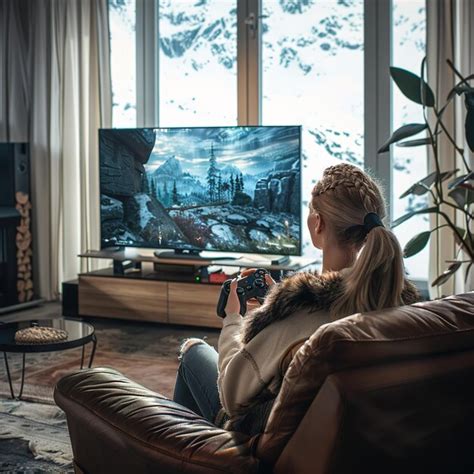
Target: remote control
(251,286)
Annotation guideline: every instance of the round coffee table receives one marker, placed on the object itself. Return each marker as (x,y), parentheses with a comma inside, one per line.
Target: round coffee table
(79,334)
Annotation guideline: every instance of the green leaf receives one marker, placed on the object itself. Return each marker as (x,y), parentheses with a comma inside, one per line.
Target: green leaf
(465,243)
(417,142)
(447,274)
(469,125)
(405,217)
(460,180)
(410,85)
(459,89)
(423,186)
(447,174)
(403,132)
(467,272)
(418,189)
(462,196)
(416,244)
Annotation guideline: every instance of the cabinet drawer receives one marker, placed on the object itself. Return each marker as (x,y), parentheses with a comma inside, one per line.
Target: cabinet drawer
(193,304)
(123,298)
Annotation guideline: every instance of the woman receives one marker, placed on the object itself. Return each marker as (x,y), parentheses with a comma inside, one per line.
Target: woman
(362,271)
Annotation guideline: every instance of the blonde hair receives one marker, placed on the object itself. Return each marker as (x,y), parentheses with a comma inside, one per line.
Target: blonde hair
(344,196)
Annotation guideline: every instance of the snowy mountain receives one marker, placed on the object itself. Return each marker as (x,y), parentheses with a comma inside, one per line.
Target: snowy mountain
(170,168)
(229,169)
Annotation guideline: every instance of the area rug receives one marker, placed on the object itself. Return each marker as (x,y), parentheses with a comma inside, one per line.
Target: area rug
(33,438)
(144,352)
(33,432)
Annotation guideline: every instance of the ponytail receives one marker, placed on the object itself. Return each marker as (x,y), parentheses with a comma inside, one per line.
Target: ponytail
(376,279)
(346,197)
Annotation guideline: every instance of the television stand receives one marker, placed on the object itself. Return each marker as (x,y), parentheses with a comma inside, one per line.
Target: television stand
(281,260)
(140,287)
(187,255)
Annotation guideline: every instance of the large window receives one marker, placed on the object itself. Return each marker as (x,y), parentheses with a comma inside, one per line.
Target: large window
(310,71)
(197,62)
(122,58)
(410,164)
(308,50)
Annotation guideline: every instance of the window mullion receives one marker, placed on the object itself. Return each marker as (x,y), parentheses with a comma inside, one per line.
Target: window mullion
(377,96)
(249,62)
(147,62)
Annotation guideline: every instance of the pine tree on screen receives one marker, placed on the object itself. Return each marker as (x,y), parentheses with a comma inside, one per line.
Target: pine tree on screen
(212,176)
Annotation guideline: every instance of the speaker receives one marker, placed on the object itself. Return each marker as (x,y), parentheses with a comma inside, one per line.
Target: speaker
(70,290)
(15,198)
(14,172)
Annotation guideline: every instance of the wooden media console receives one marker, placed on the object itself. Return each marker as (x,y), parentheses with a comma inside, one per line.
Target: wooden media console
(140,293)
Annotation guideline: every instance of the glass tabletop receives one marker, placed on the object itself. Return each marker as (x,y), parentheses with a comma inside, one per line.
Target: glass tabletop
(78,333)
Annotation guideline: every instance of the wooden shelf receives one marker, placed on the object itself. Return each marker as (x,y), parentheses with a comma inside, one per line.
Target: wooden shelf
(244,261)
(142,294)
(143,299)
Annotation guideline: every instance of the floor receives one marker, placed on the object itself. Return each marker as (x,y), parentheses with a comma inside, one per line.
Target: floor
(40,312)
(33,436)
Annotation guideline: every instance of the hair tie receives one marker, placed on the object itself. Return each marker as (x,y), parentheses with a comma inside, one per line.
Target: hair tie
(358,231)
(372,220)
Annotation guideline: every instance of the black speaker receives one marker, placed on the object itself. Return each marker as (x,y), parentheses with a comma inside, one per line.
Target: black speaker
(16,252)
(70,290)
(14,172)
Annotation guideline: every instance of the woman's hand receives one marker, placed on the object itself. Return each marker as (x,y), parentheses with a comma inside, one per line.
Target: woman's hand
(254,303)
(268,279)
(233,303)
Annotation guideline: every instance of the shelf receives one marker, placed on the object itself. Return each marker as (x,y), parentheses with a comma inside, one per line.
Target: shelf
(247,261)
(141,293)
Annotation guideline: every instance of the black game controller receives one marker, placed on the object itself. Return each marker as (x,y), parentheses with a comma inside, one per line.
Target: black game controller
(251,286)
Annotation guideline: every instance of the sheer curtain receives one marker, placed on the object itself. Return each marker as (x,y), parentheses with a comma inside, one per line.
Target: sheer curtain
(14,100)
(66,48)
(450,25)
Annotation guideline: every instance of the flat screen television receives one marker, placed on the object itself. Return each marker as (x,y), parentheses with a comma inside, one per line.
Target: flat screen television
(226,189)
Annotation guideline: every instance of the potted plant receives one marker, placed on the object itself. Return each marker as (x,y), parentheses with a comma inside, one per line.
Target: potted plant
(459,192)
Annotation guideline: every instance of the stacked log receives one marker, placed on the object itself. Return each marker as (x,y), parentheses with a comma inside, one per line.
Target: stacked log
(24,253)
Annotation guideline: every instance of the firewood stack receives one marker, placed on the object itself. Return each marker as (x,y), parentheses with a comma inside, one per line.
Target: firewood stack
(24,251)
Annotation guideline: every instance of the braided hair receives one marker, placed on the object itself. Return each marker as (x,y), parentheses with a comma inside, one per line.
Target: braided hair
(344,197)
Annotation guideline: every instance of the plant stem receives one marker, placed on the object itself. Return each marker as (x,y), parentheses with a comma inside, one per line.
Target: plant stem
(456,72)
(435,198)
(468,214)
(455,230)
(434,146)
(434,143)
(451,139)
(469,233)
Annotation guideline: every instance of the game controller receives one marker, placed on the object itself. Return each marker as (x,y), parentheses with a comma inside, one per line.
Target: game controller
(251,286)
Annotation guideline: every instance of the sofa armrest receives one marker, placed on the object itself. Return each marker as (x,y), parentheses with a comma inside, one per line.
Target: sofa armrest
(117,425)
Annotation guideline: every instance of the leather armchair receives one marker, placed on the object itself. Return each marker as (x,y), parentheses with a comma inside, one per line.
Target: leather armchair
(386,391)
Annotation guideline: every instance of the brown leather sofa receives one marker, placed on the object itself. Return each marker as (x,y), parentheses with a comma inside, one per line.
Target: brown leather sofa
(385,392)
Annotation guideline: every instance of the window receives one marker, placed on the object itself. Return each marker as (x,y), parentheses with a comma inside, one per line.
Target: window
(308,51)
(310,71)
(410,164)
(197,63)
(122,58)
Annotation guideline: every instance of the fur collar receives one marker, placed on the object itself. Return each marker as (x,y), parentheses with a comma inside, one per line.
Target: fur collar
(310,291)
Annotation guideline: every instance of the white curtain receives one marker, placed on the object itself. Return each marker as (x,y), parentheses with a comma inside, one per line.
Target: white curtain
(65,45)
(450,35)
(14,100)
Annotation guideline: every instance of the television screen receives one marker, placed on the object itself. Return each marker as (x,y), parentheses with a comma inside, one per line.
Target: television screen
(229,189)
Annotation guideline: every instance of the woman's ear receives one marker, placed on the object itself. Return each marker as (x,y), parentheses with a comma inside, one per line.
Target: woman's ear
(320,224)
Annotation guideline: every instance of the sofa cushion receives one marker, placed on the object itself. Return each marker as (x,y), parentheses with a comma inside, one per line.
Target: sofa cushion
(118,426)
(362,340)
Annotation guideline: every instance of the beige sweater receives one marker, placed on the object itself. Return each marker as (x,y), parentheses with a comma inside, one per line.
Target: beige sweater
(246,370)
(256,350)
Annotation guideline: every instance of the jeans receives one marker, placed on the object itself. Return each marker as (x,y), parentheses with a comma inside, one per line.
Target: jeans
(196,382)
